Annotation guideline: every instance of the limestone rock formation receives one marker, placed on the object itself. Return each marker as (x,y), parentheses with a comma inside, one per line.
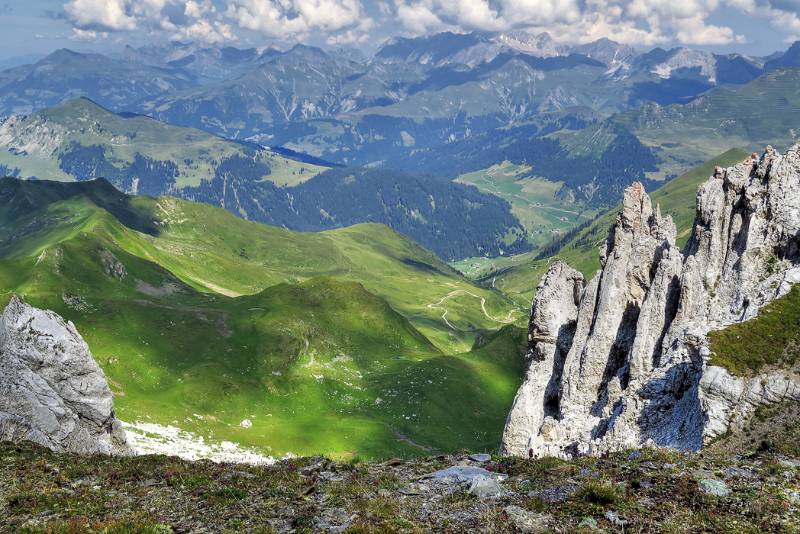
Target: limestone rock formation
(621,361)
(52,392)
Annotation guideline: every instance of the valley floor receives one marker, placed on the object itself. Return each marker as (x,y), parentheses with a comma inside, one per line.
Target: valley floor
(648,491)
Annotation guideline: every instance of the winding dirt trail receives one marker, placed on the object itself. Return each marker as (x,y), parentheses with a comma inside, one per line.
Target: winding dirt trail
(509,318)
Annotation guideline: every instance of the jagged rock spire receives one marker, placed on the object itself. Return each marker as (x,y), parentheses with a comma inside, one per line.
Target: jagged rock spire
(628,364)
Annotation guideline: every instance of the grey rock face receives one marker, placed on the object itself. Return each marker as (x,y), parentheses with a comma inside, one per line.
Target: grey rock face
(485,487)
(622,360)
(714,487)
(52,392)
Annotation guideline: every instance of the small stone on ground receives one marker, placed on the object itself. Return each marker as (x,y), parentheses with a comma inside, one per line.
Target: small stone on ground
(714,487)
(527,521)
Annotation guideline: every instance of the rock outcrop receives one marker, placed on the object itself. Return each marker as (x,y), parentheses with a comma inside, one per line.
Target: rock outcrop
(622,361)
(52,392)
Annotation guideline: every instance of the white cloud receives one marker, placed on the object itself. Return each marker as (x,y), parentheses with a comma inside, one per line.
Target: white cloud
(108,14)
(337,22)
(204,31)
(86,35)
(288,19)
(357,35)
(539,12)
(196,20)
(636,22)
(418,18)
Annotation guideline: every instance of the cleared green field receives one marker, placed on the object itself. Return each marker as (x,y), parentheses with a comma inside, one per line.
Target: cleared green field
(534,200)
(201,320)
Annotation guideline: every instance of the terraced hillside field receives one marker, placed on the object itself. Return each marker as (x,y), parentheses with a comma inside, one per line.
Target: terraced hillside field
(350,342)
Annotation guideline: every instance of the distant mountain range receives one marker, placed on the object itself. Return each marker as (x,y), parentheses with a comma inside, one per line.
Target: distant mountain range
(583,121)
(411,93)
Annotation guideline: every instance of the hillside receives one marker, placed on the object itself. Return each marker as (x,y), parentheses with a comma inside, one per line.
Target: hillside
(202,320)
(80,140)
(542,206)
(445,104)
(592,160)
(761,112)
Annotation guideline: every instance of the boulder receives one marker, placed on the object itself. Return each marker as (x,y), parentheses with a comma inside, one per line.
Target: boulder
(52,392)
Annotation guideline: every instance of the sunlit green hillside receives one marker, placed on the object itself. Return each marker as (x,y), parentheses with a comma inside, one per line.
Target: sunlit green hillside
(350,342)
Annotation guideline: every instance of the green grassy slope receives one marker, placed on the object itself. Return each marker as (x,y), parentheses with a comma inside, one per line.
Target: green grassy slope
(317,361)
(534,200)
(214,251)
(518,277)
(770,340)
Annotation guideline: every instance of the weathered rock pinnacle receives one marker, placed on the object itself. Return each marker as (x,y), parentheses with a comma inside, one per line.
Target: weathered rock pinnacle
(52,392)
(622,361)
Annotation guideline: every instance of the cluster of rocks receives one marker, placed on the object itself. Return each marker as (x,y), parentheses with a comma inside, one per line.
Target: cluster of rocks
(622,360)
(52,392)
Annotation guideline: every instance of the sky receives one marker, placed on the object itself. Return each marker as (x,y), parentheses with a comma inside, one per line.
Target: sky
(37,27)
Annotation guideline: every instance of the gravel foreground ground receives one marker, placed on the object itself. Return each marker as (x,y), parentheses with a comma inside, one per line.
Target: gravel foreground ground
(647,491)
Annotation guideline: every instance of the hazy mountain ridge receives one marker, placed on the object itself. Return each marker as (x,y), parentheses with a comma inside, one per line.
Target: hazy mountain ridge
(272,96)
(565,113)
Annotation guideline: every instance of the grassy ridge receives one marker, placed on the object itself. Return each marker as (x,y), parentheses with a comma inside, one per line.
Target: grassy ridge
(195,153)
(320,341)
(213,251)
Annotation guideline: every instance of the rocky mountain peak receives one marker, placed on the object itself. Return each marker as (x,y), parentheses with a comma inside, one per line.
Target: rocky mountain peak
(622,361)
(52,392)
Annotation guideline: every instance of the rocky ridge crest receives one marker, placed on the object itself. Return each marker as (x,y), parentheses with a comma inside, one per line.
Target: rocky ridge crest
(622,361)
(52,392)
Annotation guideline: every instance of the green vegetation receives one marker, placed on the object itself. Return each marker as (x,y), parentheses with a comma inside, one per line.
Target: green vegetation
(79,141)
(761,112)
(535,201)
(770,428)
(770,340)
(598,493)
(352,342)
